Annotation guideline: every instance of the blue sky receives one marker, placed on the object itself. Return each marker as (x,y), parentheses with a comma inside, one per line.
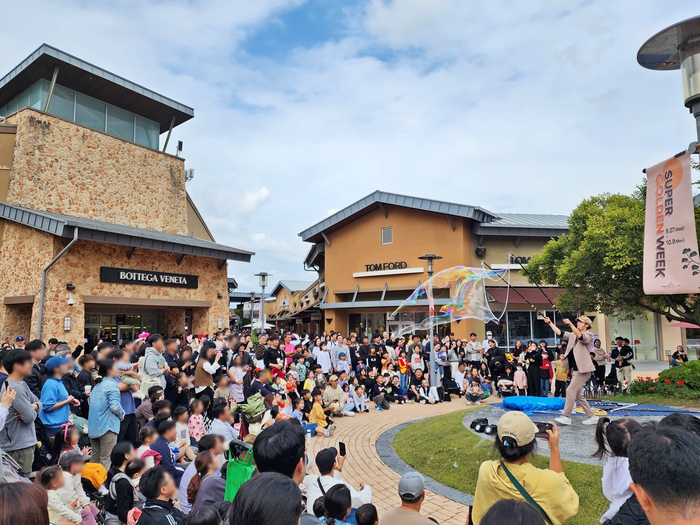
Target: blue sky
(303,107)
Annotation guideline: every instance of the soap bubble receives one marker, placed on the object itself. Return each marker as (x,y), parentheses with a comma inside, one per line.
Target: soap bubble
(467,297)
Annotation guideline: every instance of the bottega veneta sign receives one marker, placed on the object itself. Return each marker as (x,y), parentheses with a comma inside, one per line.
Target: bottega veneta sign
(385,266)
(128,276)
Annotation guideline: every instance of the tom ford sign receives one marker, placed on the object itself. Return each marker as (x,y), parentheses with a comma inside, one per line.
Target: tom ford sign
(385,266)
(128,276)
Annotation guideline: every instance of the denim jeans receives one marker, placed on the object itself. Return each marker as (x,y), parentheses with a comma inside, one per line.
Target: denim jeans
(404,382)
(544,387)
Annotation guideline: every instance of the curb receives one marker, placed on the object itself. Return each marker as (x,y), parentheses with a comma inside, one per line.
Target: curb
(385,451)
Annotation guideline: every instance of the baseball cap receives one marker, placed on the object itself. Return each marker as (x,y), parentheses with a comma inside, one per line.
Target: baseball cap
(71,456)
(19,338)
(333,378)
(325,459)
(585,319)
(411,486)
(517,426)
(341,354)
(55,361)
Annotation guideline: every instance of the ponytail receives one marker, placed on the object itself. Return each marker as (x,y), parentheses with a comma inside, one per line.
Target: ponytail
(600,438)
(201,465)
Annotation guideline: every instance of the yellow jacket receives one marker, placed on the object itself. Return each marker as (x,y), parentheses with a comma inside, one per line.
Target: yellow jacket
(318,416)
(561,373)
(551,491)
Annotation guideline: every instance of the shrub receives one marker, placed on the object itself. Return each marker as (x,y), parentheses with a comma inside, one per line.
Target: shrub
(662,388)
(688,373)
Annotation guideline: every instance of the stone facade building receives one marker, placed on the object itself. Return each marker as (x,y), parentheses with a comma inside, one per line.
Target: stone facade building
(84,186)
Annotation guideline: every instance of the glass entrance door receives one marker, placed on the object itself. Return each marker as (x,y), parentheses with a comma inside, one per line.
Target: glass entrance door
(126,332)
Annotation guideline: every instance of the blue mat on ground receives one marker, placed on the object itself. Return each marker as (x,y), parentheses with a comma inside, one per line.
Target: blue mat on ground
(531,404)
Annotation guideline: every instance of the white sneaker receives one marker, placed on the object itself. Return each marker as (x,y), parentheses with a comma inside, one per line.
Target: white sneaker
(469,403)
(563,420)
(478,403)
(593,420)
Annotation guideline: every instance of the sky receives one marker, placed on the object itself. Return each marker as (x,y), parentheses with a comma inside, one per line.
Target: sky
(303,107)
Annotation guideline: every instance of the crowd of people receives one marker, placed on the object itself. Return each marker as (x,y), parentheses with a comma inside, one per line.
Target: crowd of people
(145,431)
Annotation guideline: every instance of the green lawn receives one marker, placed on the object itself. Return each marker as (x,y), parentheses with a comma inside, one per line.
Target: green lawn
(655,400)
(443,449)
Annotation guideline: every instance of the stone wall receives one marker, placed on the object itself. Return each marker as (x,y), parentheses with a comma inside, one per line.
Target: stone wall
(26,251)
(16,321)
(172,320)
(62,167)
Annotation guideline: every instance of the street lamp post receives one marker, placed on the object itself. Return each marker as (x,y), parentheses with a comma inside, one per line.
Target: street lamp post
(263,283)
(430,257)
(678,47)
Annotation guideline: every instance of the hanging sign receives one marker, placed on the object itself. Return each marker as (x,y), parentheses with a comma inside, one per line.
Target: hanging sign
(671,260)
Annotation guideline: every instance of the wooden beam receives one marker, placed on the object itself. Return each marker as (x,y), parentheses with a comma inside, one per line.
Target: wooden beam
(18,299)
(140,301)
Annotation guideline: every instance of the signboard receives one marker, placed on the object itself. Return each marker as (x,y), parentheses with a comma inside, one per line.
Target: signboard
(671,261)
(146,277)
(378,267)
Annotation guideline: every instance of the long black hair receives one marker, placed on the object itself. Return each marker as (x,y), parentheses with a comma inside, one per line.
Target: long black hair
(118,458)
(337,502)
(252,502)
(104,366)
(612,437)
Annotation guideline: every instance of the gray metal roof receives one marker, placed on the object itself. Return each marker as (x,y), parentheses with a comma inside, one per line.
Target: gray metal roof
(99,231)
(378,198)
(292,286)
(94,81)
(525,224)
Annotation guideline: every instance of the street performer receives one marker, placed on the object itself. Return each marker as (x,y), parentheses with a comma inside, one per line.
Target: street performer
(577,359)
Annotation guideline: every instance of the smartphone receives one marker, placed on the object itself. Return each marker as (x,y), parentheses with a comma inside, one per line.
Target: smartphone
(341,446)
(542,430)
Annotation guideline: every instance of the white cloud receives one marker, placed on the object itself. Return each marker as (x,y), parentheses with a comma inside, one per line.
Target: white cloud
(525,107)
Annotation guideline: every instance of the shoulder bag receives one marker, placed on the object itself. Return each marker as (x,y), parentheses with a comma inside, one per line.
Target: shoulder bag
(525,494)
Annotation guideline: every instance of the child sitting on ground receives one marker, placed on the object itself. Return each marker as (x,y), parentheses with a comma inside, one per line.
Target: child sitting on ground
(51,478)
(147,436)
(299,415)
(425,393)
(222,390)
(474,393)
(196,424)
(182,441)
(73,463)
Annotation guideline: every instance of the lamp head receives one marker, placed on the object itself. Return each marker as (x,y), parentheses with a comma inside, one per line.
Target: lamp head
(676,47)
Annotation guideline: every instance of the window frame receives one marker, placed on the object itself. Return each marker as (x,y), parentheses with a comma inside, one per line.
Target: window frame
(391,231)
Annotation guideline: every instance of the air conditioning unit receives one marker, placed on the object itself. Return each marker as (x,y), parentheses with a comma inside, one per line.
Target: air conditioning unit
(189,174)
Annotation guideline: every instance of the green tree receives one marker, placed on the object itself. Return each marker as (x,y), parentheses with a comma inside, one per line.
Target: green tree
(600,262)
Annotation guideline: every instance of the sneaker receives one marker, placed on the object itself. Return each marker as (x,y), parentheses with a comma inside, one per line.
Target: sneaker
(563,420)
(422,401)
(328,433)
(478,403)
(593,420)
(331,429)
(410,401)
(379,408)
(469,403)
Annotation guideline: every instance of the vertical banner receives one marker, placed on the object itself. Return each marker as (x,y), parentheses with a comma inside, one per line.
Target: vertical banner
(671,260)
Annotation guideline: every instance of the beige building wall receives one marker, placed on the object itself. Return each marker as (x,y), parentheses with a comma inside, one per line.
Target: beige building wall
(66,168)
(81,266)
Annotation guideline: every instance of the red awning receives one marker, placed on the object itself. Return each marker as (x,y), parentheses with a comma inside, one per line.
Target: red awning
(531,294)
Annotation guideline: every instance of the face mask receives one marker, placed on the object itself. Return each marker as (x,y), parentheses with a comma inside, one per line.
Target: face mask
(135,482)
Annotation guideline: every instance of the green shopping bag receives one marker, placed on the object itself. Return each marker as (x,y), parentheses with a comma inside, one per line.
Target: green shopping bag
(238,471)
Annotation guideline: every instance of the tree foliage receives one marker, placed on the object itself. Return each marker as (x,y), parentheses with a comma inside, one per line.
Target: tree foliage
(600,262)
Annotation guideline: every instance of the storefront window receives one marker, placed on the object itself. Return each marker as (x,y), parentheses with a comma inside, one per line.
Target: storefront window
(692,336)
(640,332)
(523,326)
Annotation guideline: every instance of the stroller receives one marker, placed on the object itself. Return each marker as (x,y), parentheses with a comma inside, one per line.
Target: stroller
(505,387)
